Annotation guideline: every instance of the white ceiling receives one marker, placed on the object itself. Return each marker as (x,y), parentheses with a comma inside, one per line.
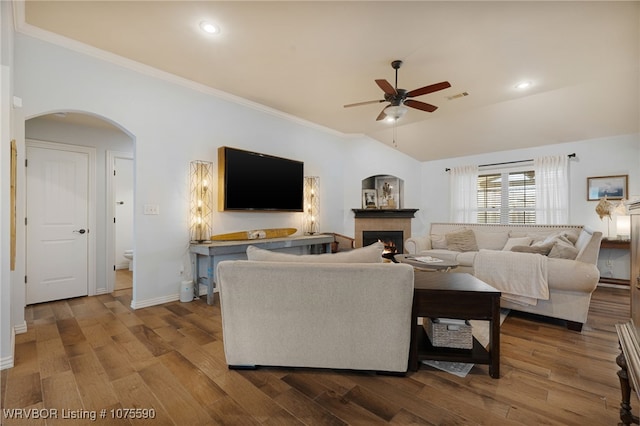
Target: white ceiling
(308,59)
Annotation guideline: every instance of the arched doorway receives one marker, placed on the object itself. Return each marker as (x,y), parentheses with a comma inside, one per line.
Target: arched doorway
(63,133)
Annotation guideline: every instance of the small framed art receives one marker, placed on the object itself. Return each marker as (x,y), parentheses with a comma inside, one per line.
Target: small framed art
(369,200)
(612,187)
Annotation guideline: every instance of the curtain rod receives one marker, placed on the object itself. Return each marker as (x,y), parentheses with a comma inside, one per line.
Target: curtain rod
(511,162)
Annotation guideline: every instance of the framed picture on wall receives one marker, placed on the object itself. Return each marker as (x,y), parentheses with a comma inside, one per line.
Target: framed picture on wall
(612,187)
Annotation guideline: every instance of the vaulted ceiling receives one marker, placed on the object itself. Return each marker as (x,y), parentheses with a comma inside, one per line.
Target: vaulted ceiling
(308,59)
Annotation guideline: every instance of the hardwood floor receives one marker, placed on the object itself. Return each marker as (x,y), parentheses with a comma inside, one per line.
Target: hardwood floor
(95,353)
(124,279)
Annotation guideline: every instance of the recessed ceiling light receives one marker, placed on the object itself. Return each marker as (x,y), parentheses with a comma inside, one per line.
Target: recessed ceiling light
(209,28)
(523,85)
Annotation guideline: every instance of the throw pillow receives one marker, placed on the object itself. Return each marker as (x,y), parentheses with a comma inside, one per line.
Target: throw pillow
(438,242)
(368,254)
(462,240)
(553,238)
(539,249)
(491,240)
(519,241)
(563,251)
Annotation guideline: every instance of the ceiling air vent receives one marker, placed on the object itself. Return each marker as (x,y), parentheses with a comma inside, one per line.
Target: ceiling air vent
(459,95)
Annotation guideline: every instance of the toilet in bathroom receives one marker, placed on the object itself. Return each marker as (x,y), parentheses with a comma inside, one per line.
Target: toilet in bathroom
(128,254)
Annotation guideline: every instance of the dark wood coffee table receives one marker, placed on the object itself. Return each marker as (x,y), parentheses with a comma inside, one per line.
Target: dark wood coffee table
(459,296)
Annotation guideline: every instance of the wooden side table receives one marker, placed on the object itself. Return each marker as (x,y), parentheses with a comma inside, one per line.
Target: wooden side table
(606,243)
(459,296)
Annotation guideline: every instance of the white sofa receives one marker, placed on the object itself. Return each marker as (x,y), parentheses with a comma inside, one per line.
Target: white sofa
(570,281)
(312,311)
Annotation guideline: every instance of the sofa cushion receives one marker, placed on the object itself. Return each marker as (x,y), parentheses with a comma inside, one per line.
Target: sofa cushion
(560,237)
(562,250)
(368,254)
(542,249)
(516,241)
(466,258)
(462,240)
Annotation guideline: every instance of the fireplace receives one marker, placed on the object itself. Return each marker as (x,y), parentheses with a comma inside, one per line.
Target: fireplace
(392,240)
(390,226)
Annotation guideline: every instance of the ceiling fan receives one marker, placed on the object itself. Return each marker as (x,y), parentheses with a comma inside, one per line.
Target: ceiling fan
(398,98)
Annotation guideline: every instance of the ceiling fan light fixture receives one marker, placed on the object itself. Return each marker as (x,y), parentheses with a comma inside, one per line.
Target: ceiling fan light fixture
(395,112)
(209,28)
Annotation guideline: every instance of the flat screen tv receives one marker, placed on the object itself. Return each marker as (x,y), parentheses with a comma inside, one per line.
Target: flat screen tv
(250,181)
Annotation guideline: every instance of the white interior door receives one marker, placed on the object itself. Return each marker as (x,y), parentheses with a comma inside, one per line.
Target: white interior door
(123,188)
(57,194)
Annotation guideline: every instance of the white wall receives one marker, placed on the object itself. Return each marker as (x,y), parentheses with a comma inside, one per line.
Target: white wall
(173,125)
(365,158)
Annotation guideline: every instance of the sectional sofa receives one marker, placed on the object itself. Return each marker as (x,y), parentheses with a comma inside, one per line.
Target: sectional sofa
(562,256)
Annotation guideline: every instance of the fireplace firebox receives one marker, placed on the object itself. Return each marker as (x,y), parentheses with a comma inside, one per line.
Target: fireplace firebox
(392,240)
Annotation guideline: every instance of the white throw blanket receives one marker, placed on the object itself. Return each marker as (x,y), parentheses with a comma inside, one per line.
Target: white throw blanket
(521,277)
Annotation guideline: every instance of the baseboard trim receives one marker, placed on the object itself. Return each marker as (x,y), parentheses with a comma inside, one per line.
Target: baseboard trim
(155,301)
(22,328)
(9,361)
(165,299)
(6,362)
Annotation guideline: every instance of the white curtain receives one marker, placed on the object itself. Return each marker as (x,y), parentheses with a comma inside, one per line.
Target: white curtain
(552,190)
(464,194)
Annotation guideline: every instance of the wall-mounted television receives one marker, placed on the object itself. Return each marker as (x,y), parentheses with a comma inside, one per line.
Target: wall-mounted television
(250,181)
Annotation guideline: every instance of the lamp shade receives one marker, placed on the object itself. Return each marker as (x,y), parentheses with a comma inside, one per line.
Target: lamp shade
(623,226)
(395,112)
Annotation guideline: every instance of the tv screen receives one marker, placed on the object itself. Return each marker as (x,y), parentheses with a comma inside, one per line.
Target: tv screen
(253,181)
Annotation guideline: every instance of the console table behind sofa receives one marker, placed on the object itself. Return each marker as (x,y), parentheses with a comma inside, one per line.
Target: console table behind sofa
(215,251)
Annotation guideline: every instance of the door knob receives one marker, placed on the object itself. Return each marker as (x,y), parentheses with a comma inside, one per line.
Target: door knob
(80,231)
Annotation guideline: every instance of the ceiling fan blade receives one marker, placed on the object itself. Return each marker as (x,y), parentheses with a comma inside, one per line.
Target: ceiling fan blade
(428,89)
(364,103)
(386,87)
(420,105)
(382,115)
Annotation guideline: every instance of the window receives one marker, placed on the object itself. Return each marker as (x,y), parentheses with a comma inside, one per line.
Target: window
(507,197)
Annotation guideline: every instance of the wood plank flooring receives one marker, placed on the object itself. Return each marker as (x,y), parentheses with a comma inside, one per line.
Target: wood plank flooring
(96,353)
